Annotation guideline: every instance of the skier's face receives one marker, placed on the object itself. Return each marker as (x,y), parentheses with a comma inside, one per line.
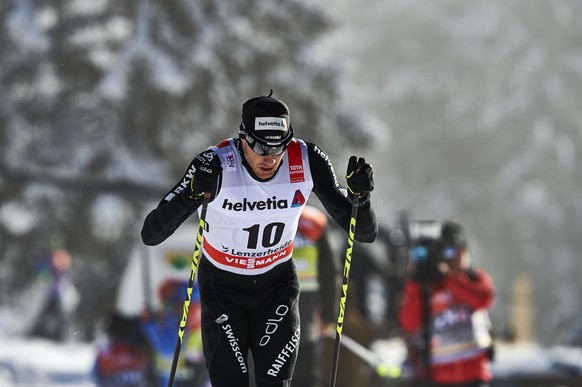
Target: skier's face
(263,166)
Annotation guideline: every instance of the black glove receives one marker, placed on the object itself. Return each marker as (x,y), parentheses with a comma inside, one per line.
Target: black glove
(208,171)
(360,177)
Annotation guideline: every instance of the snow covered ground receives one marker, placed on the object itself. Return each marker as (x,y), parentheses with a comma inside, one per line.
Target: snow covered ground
(41,363)
(515,365)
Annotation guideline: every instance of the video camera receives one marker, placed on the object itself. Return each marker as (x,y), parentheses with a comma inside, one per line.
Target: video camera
(431,243)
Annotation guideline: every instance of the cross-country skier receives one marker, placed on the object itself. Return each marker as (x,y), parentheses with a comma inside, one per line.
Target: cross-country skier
(259,184)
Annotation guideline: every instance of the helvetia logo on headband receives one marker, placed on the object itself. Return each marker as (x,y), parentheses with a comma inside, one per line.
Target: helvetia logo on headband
(270,123)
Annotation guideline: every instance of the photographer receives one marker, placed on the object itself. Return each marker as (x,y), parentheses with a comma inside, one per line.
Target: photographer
(445,303)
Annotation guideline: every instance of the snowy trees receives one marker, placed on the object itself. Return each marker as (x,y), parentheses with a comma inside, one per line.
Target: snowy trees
(105,102)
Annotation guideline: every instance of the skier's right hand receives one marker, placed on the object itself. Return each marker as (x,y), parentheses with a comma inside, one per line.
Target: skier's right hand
(208,172)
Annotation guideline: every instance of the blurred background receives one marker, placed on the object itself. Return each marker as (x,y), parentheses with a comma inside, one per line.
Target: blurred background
(468,111)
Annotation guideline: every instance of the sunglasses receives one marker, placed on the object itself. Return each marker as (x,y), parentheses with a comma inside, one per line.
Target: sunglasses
(265,150)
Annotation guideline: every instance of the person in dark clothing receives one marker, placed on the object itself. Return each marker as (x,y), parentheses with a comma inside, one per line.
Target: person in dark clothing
(258,185)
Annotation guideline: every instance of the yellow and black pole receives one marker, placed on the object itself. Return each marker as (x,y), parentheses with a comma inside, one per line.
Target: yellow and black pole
(195,261)
(344,292)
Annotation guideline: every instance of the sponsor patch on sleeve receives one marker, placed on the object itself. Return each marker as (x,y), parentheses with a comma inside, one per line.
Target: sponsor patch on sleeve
(296,173)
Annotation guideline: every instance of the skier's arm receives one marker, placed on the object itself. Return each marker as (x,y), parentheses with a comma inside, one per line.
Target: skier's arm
(183,199)
(335,198)
(165,219)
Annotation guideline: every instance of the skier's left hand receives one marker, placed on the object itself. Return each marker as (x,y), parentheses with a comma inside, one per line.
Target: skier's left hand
(359,176)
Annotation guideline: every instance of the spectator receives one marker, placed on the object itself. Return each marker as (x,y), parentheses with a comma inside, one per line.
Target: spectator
(161,331)
(61,296)
(125,359)
(318,273)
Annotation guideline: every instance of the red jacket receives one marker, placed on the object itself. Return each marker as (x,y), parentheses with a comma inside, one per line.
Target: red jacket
(457,289)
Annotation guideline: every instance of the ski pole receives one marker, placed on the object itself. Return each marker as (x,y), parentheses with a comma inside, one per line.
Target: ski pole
(382,369)
(195,260)
(344,293)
